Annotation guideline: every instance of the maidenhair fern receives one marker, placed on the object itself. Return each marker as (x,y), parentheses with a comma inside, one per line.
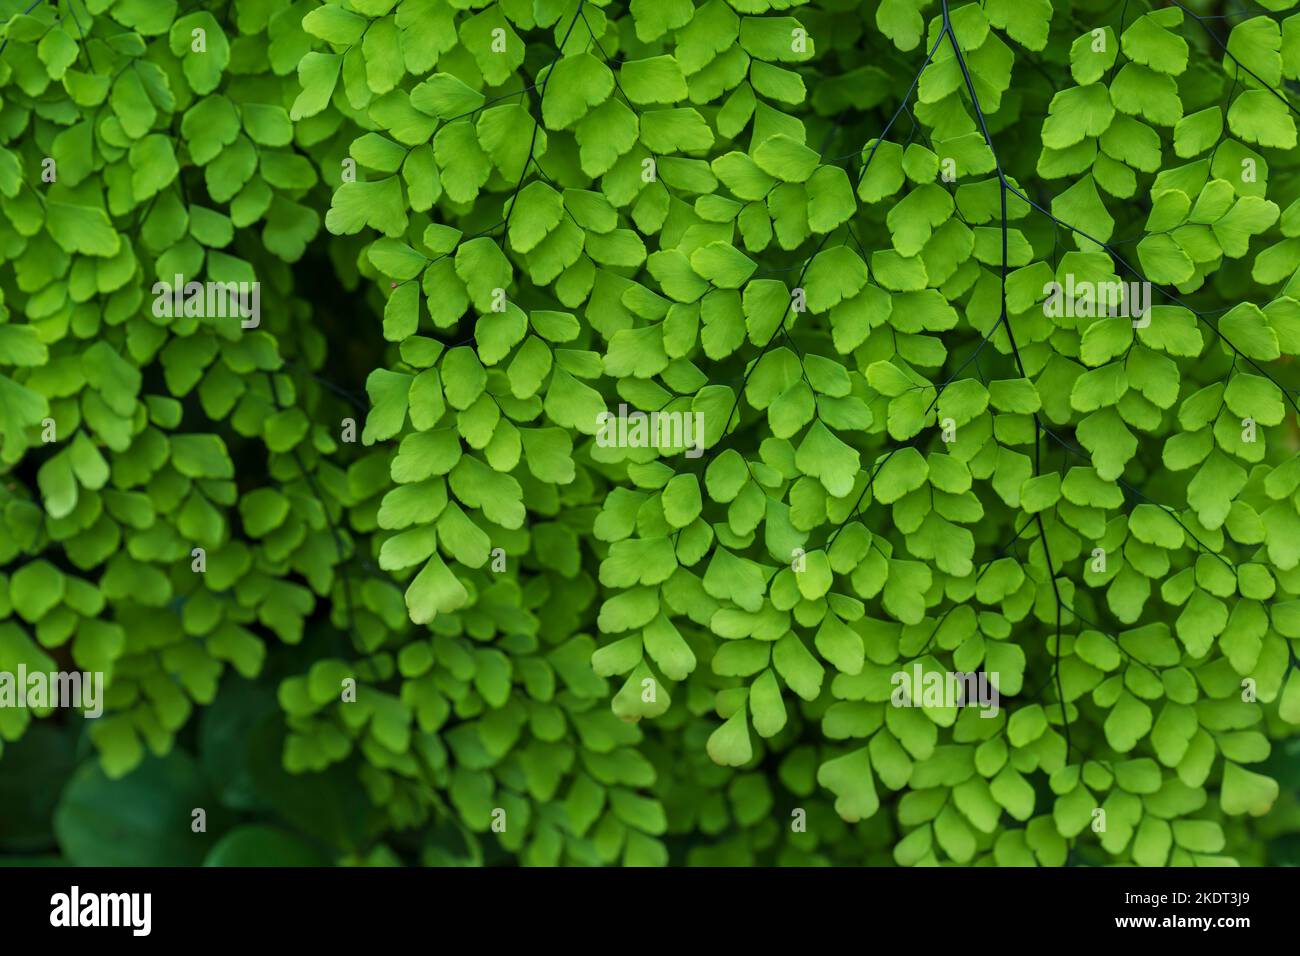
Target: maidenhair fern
(574,433)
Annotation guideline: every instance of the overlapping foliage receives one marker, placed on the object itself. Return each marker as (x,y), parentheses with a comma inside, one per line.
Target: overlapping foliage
(829,228)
